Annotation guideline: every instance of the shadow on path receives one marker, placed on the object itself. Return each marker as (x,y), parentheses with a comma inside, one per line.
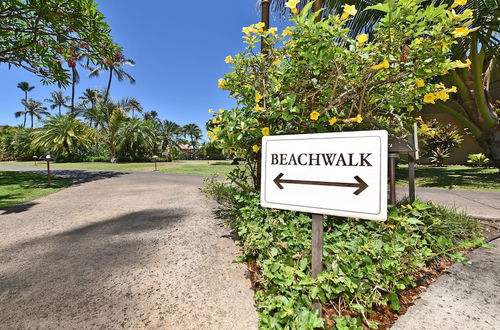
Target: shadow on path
(52,273)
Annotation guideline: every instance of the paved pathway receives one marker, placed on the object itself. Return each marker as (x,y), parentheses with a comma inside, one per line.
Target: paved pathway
(477,203)
(465,297)
(121,250)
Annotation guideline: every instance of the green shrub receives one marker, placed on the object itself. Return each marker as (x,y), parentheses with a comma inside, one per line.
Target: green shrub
(366,263)
(478,160)
(439,141)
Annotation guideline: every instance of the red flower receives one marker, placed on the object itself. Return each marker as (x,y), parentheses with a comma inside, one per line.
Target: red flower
(72,63)
(118,57)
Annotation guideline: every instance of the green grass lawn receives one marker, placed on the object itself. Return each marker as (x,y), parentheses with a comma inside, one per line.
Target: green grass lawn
(452,177)
(204,167)
(20,187)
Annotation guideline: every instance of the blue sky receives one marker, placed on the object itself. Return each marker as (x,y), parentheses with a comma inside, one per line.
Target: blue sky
(179,48)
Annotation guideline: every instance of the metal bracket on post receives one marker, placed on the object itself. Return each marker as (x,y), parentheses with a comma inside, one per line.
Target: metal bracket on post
(317,252)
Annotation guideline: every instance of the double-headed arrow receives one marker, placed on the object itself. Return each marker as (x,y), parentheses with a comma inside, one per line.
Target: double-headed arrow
(361,185)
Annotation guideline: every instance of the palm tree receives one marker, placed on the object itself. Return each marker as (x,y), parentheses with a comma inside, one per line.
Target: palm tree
(168,133)
(58,100)
(92,96)
(131,104)
(63,135)
(193,132)
(117,69)
(137,138)
(150,115)
(474,105)
(25,87)
(33,108)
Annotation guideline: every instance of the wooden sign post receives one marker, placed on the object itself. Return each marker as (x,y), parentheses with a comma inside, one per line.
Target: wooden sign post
(342,174)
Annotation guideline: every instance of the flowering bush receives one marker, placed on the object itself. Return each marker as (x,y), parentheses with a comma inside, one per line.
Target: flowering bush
(313,78)
(439,141)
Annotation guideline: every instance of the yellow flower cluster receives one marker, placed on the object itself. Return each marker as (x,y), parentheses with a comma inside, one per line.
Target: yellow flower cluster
(442,95)
(382,65)
(258,97)
(348,11)
(333,121)
(265,131)
(358,119)
(292,4)
(287,32)
(229,60)
(255,148)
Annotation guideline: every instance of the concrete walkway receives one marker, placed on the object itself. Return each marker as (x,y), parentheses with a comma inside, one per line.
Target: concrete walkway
(121,250)
(465,297)
(478,204)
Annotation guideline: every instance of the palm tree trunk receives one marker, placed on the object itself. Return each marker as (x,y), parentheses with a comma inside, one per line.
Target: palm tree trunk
(109,85)
(72,92)
(59,109)
(265,19)
(25,100)
(31,120)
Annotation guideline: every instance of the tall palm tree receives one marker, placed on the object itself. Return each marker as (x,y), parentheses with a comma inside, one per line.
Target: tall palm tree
(115,69)
(168,133)
(58,100)
(150,115)
(131,104)
(137,138)
(25,87)
(92,97)
(193,132)
(33,108)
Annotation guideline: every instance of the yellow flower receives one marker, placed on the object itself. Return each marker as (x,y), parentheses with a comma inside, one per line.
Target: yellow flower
(215,138)
(442,95)
(210,133)
(247,29)
(221,110)
(265,131)
(411,108)
(255,148)
(229,59)
(461,32)
(424,127)
(314,115)
(259,108)
(358,119)
(429,98)
(287,32)
(273,31)
(452,89)
(248,86)
(216,121)
(418,41)
(222,83)
(258,97)
(333,121)
(211,110)
(260,26)
(382,65)
(348,11)
(457,3)
(432,133)
(277,62)
(362,38)
(419,118)
(420,83)
(292,4)
(461,65)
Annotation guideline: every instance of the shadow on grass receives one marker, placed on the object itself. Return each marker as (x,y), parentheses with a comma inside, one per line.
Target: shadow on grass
(448,177)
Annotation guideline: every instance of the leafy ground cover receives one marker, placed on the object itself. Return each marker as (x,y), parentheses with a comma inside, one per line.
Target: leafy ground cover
(368,265)
(452,177)
(203,167)
(19,187)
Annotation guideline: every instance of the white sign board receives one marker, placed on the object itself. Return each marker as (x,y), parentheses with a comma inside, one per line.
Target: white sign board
(343,174)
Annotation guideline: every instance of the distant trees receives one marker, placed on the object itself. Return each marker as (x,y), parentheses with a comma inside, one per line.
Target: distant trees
(58,100)
(33,109)
(25,87)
